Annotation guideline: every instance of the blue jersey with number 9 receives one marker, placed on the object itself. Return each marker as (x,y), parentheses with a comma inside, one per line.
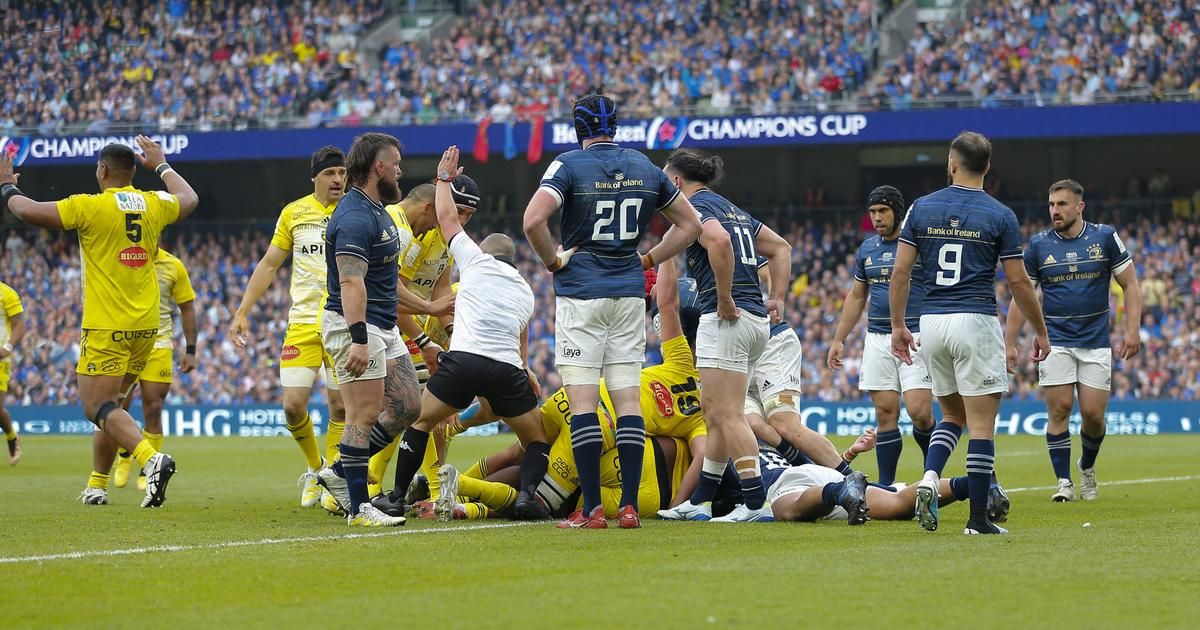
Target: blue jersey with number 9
(743,229)
(960,234)
(608,195)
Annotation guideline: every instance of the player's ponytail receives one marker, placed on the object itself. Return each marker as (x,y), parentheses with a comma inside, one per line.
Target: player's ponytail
(697,166)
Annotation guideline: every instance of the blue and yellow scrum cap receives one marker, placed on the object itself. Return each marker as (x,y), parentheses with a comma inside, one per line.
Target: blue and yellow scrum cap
(595,115)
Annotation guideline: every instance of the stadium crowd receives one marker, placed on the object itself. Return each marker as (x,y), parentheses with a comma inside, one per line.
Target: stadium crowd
(1042,52)
(85,67)
(44,269)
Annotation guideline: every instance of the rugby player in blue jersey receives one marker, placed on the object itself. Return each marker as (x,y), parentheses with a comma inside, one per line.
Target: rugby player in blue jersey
(959,234)
(607,195)
(1074,263)
(733,332)
(881,374)
(358,328)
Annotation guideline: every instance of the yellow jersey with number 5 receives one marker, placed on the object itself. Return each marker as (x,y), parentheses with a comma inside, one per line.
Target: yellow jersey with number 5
(670,394)
(118,242)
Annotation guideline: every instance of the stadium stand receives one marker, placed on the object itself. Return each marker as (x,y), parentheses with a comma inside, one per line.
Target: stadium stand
(1050,53)
(45,271)
(94,67)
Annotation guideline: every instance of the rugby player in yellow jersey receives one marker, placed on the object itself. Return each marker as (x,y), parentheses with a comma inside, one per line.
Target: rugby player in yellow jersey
(118,240)
(175,292)
(12,331)
(427,275)
(300,233)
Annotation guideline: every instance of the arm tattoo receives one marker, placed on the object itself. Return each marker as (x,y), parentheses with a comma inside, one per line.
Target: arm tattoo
(402,394)
(357,436)
(351,266)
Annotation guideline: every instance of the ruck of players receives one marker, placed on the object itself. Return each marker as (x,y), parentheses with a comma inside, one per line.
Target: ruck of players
(420,331)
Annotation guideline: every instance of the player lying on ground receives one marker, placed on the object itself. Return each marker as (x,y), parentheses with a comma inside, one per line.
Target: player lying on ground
(816,493)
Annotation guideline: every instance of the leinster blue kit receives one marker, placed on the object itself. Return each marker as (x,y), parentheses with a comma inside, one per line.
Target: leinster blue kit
(960,233)
(742,229)
(1074,274)
(608,195)
(360,227)
(873,264)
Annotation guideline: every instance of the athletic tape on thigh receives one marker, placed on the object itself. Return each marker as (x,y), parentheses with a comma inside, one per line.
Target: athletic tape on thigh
(579,375)
(622,375)
(783,402)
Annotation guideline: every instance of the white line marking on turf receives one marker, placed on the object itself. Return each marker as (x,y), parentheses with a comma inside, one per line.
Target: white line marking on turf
(1125,482)
(79,555)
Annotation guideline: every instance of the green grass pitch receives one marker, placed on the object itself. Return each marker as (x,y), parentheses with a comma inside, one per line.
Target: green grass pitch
(232,547)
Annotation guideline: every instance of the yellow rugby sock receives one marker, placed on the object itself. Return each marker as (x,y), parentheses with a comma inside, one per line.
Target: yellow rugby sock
(478,470)
(155,439)
(11,434)
(333,436)
(495,496)
(476,511)
(429,466)
(307,440)
(378,465)
(143,452)
(98,480)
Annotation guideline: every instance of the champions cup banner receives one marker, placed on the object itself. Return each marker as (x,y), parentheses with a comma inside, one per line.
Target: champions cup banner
(1143,417)
(662,133)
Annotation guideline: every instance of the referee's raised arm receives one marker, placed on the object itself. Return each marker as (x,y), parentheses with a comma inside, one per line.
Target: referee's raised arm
(443,201)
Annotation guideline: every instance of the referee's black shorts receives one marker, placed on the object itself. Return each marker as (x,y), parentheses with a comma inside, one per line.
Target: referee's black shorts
(461,376)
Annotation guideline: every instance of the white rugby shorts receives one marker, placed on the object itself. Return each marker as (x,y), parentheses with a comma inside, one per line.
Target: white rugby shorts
(882,371)
(964,353)
(1086,366)
(382,345)
(800,478)
(736,345)
(599,332)
(779,368)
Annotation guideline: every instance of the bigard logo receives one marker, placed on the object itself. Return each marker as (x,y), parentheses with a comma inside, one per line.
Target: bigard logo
(133,257)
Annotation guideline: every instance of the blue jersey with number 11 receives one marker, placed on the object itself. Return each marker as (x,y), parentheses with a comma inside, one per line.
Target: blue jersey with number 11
(607,195)
(960,234)
(743,230)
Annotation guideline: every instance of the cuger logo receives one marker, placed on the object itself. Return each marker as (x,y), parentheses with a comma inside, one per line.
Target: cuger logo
(133,257)
(289,353)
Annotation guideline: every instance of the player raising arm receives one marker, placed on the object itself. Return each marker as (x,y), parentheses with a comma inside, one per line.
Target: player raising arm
(118,240)
(1074,262)
(959,233)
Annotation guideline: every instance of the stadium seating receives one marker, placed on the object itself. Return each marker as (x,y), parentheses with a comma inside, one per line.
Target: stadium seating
(44,270)
(1041,53)
(90,67)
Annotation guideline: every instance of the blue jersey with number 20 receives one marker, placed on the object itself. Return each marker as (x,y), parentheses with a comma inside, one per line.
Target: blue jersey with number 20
(607,195)
(960,234)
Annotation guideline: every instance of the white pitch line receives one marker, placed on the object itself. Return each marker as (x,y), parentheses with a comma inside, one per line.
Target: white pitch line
(1125,482)
(78,555)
